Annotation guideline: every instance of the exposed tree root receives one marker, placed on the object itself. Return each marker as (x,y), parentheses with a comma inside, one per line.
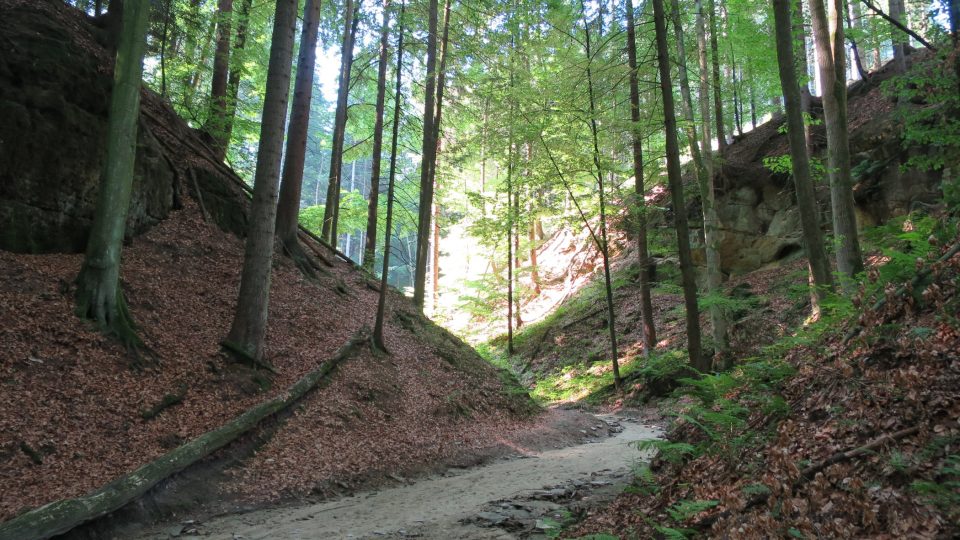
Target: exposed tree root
(240,355)
(109,312)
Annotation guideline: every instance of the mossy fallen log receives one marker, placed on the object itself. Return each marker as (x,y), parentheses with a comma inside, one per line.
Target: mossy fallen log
(60,516)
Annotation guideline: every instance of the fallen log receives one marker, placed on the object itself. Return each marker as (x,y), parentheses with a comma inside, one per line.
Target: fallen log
(60,516)
(811,470)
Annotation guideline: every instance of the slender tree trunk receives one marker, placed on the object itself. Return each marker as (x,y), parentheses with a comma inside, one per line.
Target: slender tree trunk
(429,150)
(192,33)
(830,58)
(216,118)
(715,60)
(707,198)
(806,199)
(209,45)
(640,211)
(246,336)
(385,271)
(288,207)
(510,220)
(697,361)
(899,14)
(370,248)
(99,297)
(855,50)
(236,68)
(806,100)
(604,244)
(436,256)
(534,272)
(329,229)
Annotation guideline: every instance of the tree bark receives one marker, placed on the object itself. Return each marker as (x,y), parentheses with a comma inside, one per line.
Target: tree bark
(236,68)
(604,244)
(899,14)
(640,210)
(803,67)
(803,183)
(378,339)
(216,118)
(370,249)
(331,210)
(715,60)
(831,57)
(249,326)
(99,297)
(288,207)
(429,148)
(707,198)
(697,360)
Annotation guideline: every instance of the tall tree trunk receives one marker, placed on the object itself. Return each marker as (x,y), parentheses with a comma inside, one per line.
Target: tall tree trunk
(385,270)
(830,58)
(236,68)
(216,118)
(640,211)
(899,14)
(249,327)
(192,32)
(370,248)
(718,318)
(806,100)
(715,60)
(98,285)
(510,220)
(288,207)
(209,45)
(854,49)
(603,244)
(806,199)
(435,278)
(331,210)
(697,361)
(429,151)
(534,271)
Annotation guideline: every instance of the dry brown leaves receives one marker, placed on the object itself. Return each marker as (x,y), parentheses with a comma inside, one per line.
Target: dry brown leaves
(904,371)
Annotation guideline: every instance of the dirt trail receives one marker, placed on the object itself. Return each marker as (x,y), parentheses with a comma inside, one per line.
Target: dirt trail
(504,499)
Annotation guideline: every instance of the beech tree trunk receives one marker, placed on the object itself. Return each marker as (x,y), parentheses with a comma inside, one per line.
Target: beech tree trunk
(830,58)
(429,149)
(640,210)
(288,207)
(216,118)
(332,208)
(378,339)
(803,184)
(99,297)
(249,326)
(370,248)
(714,279)
(676,192)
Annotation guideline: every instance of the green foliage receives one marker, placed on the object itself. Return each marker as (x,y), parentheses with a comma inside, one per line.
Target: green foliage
(944,491)
(929,93)
(685,509)
(672,452)
(783,164)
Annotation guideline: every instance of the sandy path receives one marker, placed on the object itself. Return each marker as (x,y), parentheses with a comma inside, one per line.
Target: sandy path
(433,507)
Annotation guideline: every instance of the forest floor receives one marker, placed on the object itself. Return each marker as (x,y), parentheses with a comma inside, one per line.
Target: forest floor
(528,494)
